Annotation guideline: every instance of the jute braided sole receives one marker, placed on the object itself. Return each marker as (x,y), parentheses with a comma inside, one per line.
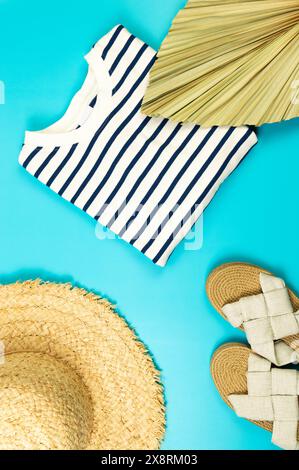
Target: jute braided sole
(231,281)
(229,366)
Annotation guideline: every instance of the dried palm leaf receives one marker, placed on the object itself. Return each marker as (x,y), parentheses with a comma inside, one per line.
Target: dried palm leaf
(228,63)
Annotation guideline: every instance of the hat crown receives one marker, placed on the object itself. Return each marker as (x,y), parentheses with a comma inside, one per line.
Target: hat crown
(101,392)
(45,404)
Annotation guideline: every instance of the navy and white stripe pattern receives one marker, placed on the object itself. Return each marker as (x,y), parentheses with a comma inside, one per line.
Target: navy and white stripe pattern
(147,179)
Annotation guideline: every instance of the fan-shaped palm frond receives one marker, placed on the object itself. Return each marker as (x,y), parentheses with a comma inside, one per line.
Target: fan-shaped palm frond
(228,62)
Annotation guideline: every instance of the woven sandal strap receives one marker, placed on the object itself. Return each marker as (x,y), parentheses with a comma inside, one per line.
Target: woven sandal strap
(272,396)
(266,318)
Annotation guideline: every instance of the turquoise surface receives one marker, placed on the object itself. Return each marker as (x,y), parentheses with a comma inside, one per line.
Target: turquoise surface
(254,216)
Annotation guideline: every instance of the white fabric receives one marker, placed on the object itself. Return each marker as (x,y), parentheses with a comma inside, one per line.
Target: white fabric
(266,318)
(272,396)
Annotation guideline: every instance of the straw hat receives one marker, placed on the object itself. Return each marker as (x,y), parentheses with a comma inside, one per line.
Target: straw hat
(74,375)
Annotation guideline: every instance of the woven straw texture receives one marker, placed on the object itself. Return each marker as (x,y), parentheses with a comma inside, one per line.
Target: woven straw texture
(228,63)
(231,281)
(74,375)
(229,366)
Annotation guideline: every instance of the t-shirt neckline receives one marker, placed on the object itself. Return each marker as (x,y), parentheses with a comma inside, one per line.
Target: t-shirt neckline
(98,73)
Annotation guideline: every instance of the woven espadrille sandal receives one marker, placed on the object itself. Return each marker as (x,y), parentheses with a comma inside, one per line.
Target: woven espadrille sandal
(255,390)
(252,299)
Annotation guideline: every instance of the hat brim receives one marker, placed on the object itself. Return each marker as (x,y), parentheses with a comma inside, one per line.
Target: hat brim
(84,332)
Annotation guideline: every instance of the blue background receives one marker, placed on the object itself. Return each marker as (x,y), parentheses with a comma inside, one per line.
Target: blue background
(254,216)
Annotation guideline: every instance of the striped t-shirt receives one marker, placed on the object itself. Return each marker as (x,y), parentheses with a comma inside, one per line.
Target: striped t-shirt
(147,179)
